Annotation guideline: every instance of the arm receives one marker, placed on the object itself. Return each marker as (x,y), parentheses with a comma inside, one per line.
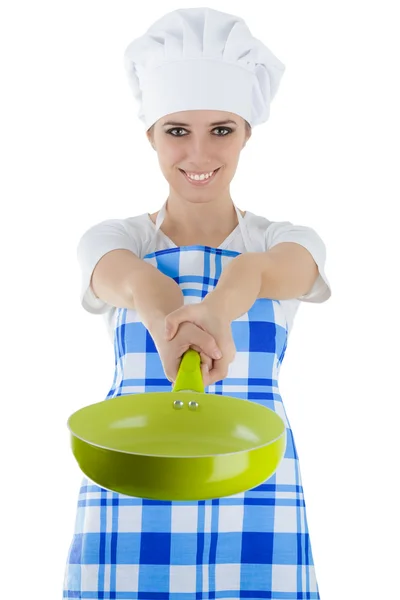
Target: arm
(285,271)
(123,280)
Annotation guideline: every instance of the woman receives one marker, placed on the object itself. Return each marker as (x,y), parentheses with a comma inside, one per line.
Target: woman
(199,273)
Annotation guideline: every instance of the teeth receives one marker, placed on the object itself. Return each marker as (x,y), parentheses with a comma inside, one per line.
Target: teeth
(200,177)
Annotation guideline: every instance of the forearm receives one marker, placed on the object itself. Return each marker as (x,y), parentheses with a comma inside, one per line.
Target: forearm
(286,271)
(155,295)
(124,280)
(238,287)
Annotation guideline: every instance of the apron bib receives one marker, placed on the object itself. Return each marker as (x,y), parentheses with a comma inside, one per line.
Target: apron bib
(251,545)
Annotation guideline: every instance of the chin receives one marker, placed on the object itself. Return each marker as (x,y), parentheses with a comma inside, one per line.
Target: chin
(193,198)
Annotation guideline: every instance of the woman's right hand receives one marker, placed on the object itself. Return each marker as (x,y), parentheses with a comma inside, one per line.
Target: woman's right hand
(188,336)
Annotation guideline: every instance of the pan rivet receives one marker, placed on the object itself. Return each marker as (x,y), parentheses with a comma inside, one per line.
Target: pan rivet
(193,405)
(178,404)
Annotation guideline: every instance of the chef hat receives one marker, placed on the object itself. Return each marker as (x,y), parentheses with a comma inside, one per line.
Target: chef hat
(200,58)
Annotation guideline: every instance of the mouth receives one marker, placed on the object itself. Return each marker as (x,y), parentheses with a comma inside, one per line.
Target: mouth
(200,182)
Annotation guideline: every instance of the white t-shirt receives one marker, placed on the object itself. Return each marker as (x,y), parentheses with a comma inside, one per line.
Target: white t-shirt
(137,234)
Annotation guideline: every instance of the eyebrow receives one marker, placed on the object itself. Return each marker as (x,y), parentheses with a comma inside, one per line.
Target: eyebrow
(175,124)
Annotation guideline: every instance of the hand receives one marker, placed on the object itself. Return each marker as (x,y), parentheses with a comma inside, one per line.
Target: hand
(212,322)
(188,336)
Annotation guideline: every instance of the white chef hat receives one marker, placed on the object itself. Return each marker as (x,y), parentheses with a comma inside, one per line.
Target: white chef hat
(200,58)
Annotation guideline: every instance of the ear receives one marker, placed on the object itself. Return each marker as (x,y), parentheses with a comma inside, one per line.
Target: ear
(149,137)
(248,136)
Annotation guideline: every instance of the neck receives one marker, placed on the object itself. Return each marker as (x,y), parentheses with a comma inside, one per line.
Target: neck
(201,218)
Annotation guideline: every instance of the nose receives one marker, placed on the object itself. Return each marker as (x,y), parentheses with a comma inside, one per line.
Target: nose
(199,151)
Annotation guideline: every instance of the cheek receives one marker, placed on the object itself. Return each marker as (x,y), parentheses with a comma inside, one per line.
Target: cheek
(169,157)
(229,152)
(169,167)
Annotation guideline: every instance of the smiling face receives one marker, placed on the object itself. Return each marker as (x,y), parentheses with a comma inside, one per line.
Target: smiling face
(199,142)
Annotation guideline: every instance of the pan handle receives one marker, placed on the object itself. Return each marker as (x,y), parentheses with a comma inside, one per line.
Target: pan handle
(189,375)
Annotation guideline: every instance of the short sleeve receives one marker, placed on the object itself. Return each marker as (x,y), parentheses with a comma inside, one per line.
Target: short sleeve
(284,231)
(97,241)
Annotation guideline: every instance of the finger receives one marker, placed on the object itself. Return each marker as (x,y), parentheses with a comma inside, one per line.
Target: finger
(204,373)
(171,367)
(171,327)
(206,360)
(199,339)
(196,347)
(171,371)
(219,370)
(171,323)
(174,319)
(172,364)
(206,343)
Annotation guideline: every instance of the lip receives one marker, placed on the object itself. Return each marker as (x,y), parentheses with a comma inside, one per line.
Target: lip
(200,183)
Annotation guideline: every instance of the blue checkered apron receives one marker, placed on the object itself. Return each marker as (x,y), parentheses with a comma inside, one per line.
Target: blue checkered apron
(250,545)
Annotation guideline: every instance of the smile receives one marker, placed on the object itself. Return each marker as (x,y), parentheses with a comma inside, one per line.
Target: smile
(199,182)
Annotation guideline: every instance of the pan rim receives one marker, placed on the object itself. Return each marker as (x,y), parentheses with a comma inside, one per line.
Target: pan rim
(169,456)
(279,420)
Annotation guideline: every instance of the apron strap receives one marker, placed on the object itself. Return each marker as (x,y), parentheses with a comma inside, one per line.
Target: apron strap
(242,226)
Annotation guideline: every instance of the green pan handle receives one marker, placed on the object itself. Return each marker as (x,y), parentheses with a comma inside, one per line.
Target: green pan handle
(189,374)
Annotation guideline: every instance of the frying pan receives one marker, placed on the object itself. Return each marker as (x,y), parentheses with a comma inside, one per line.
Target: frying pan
(178,445)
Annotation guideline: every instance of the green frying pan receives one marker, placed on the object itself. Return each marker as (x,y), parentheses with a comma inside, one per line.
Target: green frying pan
(179,445)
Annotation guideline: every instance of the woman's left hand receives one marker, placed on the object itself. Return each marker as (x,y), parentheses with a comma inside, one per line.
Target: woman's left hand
(214,324)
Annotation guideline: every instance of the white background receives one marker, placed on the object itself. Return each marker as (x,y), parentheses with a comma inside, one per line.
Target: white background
(74,153)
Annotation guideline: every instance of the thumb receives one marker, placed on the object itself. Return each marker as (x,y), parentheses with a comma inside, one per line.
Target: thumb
(171,327)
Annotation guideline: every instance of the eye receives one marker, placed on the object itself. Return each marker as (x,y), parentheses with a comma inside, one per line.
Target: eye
(228,129)
(175,129)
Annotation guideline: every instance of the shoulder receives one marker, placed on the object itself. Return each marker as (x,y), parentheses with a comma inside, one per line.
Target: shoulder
(275,232)
(132,233)
(128,224)
(272,233)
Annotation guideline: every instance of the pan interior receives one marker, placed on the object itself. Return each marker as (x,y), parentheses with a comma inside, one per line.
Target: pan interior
(150,424)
